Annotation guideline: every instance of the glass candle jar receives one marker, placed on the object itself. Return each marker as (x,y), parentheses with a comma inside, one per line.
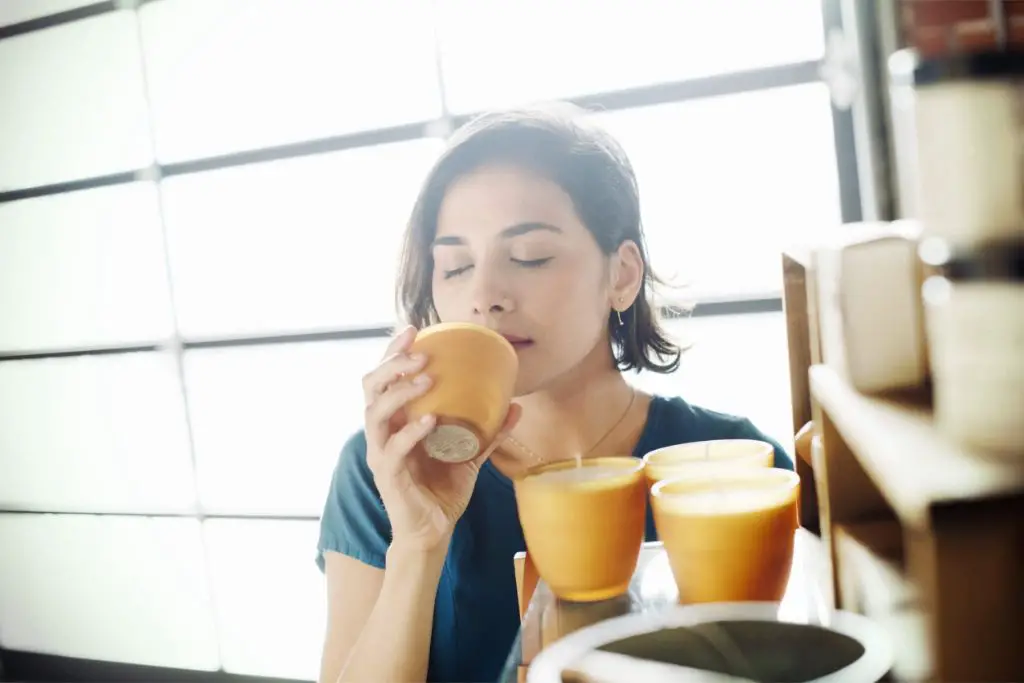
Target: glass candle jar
(958,127)
(974,309)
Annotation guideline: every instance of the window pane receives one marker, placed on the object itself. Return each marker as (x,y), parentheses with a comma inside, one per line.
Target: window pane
(107,588)
(236,74)
(737,364)
(291,245)
(73,102)
(500,54)
(94,433)
(269,597)
(269,422)
(17,11)
(82,269)
(726,183)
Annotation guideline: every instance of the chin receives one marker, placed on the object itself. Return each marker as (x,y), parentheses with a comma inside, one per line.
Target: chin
(525,386)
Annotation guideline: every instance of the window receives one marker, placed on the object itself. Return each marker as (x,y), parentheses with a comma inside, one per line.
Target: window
(269,421)
(307,243)
(109,588)
(92,260)
(201,209)
(265,631)
(229,75)
(94,433)
(73,103)
(16,11)
(505,54)
(726,183)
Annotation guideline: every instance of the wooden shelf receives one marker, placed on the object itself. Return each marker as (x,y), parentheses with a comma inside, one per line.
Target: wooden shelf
(798,303)
(875,583)
(912,465)
(907,512)
(923,535)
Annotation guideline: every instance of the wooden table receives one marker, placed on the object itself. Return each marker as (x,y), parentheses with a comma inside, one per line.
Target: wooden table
(547,618)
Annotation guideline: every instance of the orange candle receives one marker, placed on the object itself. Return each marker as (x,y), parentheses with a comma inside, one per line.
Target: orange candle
(700,457)
(729,535)
(474,375)
(584,524)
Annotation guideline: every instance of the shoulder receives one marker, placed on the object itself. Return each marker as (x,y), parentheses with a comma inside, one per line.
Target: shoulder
(353,456)
(674,420)
(354,521)
(678,417)
(351,473)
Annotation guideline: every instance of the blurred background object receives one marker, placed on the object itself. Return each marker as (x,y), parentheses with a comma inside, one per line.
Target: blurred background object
(913,330)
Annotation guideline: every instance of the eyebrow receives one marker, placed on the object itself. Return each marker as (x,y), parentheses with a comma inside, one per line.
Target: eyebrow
(509,232)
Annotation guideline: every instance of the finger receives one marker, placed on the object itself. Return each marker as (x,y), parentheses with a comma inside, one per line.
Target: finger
(515,411)
(401,341)
(803,442)
(402,442)
(377,381)
(385,406)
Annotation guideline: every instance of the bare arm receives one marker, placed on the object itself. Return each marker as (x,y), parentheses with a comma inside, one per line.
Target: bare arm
(352,590)
(379,622)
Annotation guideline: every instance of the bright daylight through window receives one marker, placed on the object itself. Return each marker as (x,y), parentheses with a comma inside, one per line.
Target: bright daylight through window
(201,203)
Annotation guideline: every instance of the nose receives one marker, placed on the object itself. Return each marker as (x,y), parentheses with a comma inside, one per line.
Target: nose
(490,297)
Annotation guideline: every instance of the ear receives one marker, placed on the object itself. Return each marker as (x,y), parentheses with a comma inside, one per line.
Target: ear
(626,275)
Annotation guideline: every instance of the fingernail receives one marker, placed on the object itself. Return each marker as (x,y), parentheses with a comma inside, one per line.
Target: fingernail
(426,419)
(417,357)
(421,380)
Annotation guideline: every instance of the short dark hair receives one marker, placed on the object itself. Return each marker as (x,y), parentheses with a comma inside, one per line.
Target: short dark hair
(591,167)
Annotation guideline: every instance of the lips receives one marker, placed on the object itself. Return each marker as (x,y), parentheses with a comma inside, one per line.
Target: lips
(517,342)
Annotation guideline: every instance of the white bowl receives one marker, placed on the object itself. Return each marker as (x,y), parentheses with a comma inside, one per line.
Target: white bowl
(718,642)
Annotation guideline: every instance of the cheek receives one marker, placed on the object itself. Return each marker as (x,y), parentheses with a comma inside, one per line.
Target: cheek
(574,298)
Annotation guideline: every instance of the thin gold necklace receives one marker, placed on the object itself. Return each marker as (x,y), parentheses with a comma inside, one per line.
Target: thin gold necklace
(622,418)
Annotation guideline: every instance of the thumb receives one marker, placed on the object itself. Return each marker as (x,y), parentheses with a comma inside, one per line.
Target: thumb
(511,419)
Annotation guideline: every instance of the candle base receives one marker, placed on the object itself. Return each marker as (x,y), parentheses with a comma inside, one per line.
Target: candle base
(592,595)
(452,441)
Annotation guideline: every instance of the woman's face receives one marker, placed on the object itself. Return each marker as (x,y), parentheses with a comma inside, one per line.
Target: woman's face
(512,254)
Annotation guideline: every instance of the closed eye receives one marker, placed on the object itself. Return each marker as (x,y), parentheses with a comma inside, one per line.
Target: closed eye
(532,263)
(448,274)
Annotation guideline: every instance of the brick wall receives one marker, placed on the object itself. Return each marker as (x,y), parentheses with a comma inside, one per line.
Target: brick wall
(945,26)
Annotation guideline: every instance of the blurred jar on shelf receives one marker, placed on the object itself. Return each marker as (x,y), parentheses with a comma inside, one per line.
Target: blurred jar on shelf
(957,122)
(974,307)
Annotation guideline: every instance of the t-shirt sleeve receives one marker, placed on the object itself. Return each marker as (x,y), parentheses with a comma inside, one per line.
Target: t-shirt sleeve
(354,521)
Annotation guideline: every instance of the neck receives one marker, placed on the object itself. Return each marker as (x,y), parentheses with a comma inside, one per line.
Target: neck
(566,418)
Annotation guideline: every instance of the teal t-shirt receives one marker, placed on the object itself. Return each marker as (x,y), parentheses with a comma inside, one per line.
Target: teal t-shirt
(476,614)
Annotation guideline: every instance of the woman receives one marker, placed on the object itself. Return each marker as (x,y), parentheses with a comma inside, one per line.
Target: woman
(528,224)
